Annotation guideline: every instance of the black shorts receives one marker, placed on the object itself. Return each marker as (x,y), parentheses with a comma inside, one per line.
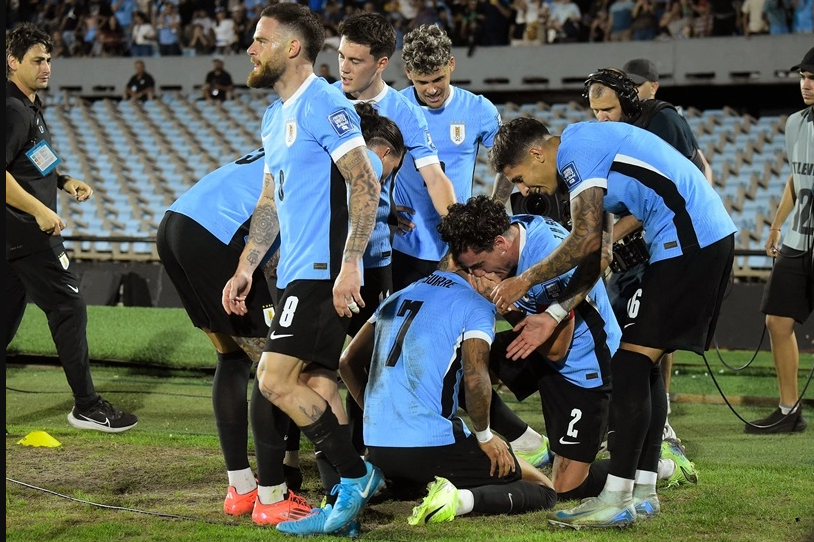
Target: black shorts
(790,290)
(199,266)
(378,285)
(408,269)
(621,286)
(677,305)
(576,418)
(409,470)
(306,325)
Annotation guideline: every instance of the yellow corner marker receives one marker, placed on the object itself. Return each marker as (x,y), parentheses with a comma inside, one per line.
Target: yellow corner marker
(40,439)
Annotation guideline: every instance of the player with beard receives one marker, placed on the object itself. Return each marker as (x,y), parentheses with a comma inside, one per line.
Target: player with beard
(320,194)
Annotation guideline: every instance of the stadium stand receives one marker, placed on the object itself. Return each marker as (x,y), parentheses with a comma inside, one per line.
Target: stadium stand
(141,156)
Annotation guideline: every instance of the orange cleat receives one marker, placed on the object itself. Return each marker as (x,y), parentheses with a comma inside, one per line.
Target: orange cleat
(236,504)
(292,508)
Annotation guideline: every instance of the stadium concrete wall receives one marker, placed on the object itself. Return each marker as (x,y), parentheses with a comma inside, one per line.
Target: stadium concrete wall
(146,284)
(759,60)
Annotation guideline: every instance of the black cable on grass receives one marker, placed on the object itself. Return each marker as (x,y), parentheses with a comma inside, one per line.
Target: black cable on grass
(125,509)
(748,363)
(759,344)
(794,408)
(737,369)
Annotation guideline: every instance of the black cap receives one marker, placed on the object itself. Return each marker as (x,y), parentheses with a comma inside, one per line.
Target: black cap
(641,70)
(807,65)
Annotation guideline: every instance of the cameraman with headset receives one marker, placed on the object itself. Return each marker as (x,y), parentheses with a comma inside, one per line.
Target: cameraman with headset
(617,97)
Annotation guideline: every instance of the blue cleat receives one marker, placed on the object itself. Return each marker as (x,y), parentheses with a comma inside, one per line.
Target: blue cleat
(648,507)
(595,513)
(314,524)
(352,495)
(646,501)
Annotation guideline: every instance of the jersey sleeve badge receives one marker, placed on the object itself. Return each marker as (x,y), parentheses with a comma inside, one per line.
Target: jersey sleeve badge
(340,122)
(570,175)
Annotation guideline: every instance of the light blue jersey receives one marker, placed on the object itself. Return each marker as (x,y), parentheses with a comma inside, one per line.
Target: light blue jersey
(458,128)
(223,200)
(647,177)
(413,126)
(303,138)
(596,332)
(411,397)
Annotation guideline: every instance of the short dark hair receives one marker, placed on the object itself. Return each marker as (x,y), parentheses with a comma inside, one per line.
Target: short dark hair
(301,20)
(513,140)
(23,37)
(473,225)
(378,130)
(371,29)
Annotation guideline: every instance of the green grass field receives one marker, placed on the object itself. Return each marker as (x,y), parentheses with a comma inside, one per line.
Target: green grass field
(165,480)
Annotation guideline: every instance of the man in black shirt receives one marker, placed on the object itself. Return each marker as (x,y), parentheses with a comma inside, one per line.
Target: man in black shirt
(141,86)
(37,265)
(218,85)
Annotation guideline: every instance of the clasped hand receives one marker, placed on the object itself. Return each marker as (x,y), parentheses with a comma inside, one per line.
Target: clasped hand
(532,332)
(502,460)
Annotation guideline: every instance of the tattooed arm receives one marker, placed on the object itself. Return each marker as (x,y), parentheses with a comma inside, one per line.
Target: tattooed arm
(363,204)
(478,394)
(589,270)
(586,238)
(502,188)
(264,229)
(542,332)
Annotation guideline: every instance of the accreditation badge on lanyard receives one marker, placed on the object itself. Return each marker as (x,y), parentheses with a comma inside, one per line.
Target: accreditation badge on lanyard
(43,157)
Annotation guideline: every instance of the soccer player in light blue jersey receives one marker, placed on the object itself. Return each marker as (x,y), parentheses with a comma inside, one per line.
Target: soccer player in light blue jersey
(320,194)
(612,167)
(216,212)
(460,122)
(571,370)
(405,367)
(367,40)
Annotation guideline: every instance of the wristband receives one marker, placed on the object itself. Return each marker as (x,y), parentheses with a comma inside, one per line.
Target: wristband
(483,436)
(774,229)
(556,311)
(61,180)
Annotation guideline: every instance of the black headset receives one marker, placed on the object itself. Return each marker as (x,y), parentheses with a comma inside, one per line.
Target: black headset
(621,84)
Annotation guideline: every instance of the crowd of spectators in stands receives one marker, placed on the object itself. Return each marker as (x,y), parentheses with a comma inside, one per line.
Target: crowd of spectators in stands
(111,28)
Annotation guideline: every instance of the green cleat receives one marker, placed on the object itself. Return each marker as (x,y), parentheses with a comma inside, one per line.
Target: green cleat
(595,513)
(438,506)
(685,471)
(538,458)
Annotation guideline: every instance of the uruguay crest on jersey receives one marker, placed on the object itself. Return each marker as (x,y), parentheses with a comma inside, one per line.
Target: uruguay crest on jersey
(290,132)
(457,132)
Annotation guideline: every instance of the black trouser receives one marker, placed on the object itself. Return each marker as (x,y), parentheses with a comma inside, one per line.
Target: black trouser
(55,290)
